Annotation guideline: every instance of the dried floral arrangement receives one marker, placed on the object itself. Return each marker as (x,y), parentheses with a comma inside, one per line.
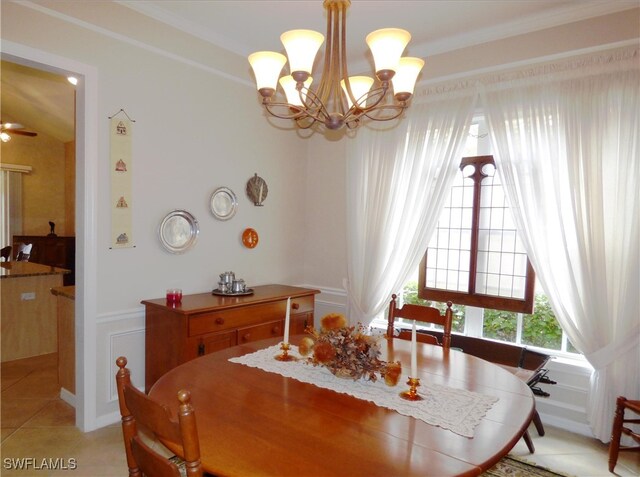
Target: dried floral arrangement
(347,351)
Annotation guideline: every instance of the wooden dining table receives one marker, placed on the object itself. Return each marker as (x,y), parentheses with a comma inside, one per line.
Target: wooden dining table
(257,423)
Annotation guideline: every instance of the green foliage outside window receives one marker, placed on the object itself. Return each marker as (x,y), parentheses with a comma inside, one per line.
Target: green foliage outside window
(538,329)
(541,329)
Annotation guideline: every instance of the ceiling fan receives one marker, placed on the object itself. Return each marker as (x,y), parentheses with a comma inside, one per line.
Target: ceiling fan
(13,128)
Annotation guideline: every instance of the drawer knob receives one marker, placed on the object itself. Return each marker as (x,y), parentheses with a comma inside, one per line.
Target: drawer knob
(220,321)
(275,330)
(246,337)
(295,306)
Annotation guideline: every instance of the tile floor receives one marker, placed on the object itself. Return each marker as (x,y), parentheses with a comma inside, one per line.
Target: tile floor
(37,424)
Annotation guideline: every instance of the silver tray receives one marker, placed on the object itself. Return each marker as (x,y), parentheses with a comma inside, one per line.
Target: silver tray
(178,231)
(248,291)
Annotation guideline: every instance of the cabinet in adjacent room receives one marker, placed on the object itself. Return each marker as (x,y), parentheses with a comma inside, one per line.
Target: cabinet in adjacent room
(54,251)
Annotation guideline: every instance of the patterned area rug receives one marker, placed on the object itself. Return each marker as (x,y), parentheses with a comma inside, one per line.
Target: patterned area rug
(511,466)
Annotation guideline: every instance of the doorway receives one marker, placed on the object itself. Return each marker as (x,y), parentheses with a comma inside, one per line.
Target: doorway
(86,180)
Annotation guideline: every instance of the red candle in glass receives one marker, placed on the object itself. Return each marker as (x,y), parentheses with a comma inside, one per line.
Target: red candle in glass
(174,296)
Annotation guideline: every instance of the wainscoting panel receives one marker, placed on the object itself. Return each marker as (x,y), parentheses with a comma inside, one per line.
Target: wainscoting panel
(118,334)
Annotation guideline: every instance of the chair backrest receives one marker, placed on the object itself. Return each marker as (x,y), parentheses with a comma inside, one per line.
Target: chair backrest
(135,406)
(5,253)
(425,314)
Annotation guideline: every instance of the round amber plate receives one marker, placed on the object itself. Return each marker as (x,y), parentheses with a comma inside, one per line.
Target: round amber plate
(250,238)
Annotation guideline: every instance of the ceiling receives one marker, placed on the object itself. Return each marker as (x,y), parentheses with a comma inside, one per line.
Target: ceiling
(245,26)
(40,101)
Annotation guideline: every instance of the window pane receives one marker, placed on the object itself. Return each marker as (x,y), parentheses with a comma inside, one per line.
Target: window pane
(493,284)
(541,328)
(463,282)
(454,239)
(464,261)
(465,239)
(494,262)
(500,325)
(506,285)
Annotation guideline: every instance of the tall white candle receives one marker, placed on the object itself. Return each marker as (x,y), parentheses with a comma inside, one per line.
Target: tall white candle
(414,357)
(286,321)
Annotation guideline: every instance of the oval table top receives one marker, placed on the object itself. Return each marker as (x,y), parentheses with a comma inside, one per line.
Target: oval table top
(255,423)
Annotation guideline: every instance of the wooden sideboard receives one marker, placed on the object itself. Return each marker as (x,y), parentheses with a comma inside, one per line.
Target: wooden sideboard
(205,323)
(55,251)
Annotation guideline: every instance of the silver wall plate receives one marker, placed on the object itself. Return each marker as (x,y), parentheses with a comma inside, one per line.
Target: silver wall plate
(224,203)
(178,231)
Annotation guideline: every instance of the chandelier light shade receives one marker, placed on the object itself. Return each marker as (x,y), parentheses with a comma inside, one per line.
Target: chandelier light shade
(338,100)
(266,67)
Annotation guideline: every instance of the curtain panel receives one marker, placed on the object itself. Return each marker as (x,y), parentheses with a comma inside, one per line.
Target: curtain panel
(566,142)
(397,181)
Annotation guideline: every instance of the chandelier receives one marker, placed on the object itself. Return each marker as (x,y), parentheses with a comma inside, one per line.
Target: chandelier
(339,100)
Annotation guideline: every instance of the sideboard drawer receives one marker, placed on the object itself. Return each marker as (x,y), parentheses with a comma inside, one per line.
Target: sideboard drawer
(261,332)
(236,317)
(303,304)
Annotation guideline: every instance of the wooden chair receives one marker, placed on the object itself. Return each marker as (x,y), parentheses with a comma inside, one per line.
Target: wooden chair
(135,406)
(424,314)
(5,253)
(618,429)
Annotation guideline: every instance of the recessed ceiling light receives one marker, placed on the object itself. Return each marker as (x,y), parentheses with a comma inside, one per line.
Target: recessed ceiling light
(73,80)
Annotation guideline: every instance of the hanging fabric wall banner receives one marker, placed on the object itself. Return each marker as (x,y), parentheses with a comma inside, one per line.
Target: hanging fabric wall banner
(121,170)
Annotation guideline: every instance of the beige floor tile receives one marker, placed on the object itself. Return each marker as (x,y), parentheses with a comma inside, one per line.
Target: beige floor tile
(55,413)
(8,381)
(42,443)
(630,461)
(37,384)
(17,411)
(7,431)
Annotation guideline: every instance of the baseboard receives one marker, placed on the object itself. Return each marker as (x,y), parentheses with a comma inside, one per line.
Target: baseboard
(108,419)
(566,424)
(68,397)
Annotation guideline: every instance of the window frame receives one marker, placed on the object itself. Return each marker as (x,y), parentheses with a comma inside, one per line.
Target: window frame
(472,298)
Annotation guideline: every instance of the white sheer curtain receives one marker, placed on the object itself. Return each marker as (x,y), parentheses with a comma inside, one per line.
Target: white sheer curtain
(396,184)
(567,149)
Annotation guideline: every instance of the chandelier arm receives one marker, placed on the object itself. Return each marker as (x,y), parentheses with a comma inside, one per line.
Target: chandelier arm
(301,125)
(322,91)
(345,72)
(314,106)
(295,112)
(377,95)
(335,73)
(398,110)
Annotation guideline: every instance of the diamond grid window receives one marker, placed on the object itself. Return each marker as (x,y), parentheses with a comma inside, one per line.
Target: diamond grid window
(475,256)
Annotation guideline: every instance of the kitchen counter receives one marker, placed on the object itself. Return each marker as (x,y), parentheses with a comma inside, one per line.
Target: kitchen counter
(29,316)
(28,269)
(65,297)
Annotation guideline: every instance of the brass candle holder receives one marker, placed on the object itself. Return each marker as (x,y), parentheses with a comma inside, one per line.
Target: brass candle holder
(412,393)
(285,356)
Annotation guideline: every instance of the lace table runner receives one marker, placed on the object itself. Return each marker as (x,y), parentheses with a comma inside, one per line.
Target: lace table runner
(457,410)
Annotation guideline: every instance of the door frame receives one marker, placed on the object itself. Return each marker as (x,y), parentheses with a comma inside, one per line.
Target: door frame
(86,216)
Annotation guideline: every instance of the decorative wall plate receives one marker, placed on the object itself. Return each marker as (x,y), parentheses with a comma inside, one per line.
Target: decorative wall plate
(178,231)
(250,238)
(257,190)
(223,203)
